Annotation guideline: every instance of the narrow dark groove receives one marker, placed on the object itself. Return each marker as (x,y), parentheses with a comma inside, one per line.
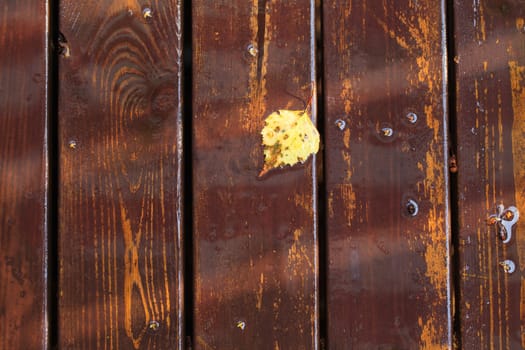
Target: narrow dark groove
(321,199)
(261,30)
(53,175)
(188,166)
(454,208)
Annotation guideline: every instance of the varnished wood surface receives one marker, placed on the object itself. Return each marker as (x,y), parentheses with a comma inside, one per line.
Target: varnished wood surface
(255,253)
(23,175)
(255,239)
(120,233)
(388,265)
(490,70)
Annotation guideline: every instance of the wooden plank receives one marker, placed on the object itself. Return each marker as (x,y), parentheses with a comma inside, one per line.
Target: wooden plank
(386,176)
(23,175)
(120,197)
(490,66)
(255,255)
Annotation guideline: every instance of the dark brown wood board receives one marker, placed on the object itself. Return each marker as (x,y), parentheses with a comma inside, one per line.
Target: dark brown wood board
(388,231)
(23,175)
(120,221)
(255,252)
(490,69)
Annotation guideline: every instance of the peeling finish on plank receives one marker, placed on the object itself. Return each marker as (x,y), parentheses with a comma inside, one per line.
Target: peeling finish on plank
(383,61)
(517,81)
(489,48)
(260,26)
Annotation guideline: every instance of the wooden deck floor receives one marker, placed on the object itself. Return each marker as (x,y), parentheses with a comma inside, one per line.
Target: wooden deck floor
(133,216)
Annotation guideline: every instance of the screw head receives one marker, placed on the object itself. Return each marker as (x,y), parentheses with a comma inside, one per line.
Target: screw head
(508,215)
(411,117)
(508,266)
(493,220)
(388,132)
(147,13)
(341,124)
(412,207)
(252,50)
(241,325)
(154,325)
(72,144)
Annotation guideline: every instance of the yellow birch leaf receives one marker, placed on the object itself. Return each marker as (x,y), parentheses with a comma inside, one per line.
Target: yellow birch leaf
(288,137)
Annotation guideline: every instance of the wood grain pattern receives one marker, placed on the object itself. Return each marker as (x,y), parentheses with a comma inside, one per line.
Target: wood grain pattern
(255,252)
(120,174)
(386,175)
(23,175)
(490,60)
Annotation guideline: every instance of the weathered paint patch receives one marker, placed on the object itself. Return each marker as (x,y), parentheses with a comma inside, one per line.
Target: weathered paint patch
(253,112)
(299,259)
(343,193)
(436,253)
(259,292)
(347,95)
(430,340)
